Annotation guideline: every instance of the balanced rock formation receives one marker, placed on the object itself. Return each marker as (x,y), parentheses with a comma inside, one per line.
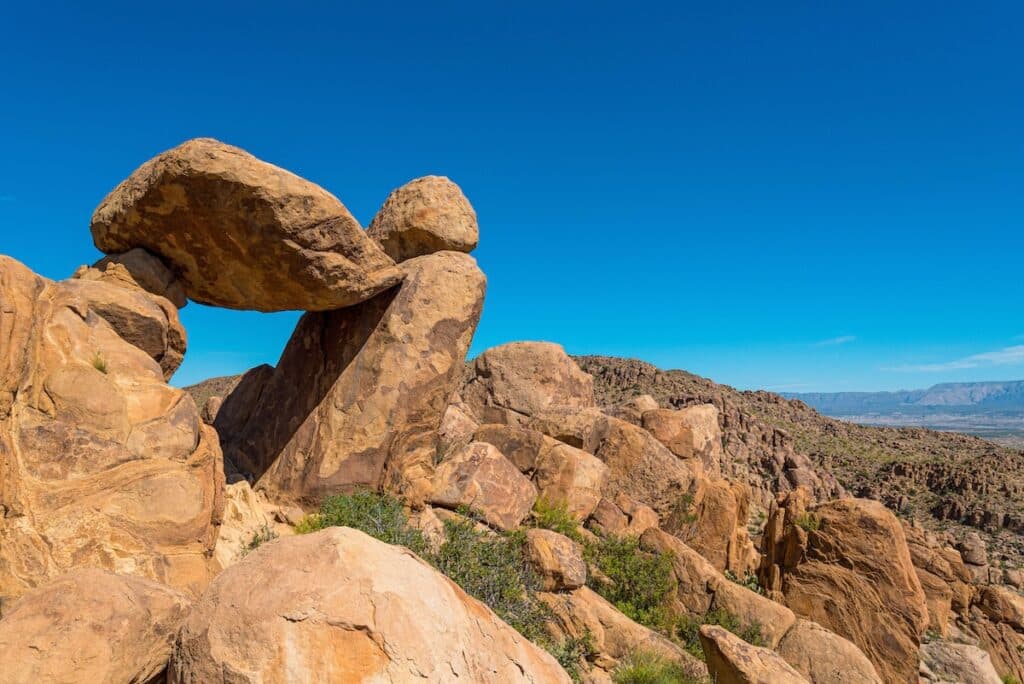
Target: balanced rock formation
(241,233)
(340,606)
(427,215)
(91,626)
(845,565)
(361,391)
(733,661)
(102,464)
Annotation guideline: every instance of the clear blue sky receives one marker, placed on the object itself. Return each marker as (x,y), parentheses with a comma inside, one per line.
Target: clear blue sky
(798,196)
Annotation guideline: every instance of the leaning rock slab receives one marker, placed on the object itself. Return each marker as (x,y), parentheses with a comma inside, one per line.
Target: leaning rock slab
(339,606)
(480,478)
(426,215)
(359,393)
(91,626)
(733,661)
(102,464)
(824,657)
(241,233)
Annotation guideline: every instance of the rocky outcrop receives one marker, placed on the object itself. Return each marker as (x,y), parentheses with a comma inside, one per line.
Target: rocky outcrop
(359,393)
(713,521)
(733,661)
(426,215)
(512,382)
(103,464)
(91,626)
(689,433)
(241,233)
(824,657)
(137,269)
(338,605)
(479,478)
(948,662)
(246,518)
(557,560)
(845,565)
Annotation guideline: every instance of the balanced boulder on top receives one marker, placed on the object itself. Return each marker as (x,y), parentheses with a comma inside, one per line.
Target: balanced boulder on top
(429,214)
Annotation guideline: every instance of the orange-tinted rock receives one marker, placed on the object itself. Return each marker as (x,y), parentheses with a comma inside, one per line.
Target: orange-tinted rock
(426,215)
(479,477)
(138,269)
(692,432)
(557,559)
(731,660)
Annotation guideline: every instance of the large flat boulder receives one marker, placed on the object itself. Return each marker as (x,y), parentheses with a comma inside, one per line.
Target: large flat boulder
(241,233)
(425,215)
(339,606)
(358,394)
(824,657)
(91,626)
(103,464)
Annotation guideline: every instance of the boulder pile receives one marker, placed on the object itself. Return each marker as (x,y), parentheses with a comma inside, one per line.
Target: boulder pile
(254,538)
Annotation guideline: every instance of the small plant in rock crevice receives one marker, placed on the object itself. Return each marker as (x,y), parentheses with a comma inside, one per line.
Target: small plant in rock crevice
(555,516)
(99,363)
(262,535)
(748,581)
(808,522)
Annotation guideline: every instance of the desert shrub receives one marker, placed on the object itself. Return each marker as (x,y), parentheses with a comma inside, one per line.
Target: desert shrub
(646,667)
(749,581)
(493,568)
(687,630)
(573,653)
(808,522)
(1010,679)
(555,516)
(99,363)
(264,534)
(379,515)
(638,583)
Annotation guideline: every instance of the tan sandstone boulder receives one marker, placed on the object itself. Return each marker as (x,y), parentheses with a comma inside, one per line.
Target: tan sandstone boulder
(104,464)
(845,565)
(824,657)
(241,233)
(426,215)
(688,433)
(512,382)
(731,660)
(713,521)
(359,393)
(480,478)
(948,662)
(246,518)
(138,269)
(90,626)
(557,559)
(456,429)
(339,606)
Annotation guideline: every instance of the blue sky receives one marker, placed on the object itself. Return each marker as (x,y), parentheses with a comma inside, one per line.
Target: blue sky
(794,196)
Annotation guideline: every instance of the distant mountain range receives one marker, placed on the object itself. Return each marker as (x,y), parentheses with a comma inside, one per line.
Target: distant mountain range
(957,397)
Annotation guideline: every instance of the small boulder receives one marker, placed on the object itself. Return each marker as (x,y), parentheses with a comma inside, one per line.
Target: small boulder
(824,657)
(633,410)
(479,477)
(557,559)
(426,215)
(570,476)
(731,660)
(691,432)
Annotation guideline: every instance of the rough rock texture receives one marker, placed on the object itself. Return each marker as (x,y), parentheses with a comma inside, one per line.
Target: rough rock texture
(512,382)
(623,517)
(456,429)
(614,636)
(688,433)
(633,409)
(359,393)
(101,463)
(426,215)
(557,559)
(824,657)
(479,477)
(244,518)
(731,660)
(241,233)
(90,626)
(845,564)
(714,523)
(238,405)
(949,662)
(946,581)
(340,606)
(139,269)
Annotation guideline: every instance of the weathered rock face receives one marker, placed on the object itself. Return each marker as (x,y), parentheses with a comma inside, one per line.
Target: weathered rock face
(824,657)
(623,517)
(614,636)
(692,432)
(426,215)
(845,564)
(944,578)
(479,477)
(340,606)
(714,523)
(241,233)
(103,464)
(557,559)
(359,393)
(245,516)
(733,661)
(137,269)
(520,379)
(91,626)
(946,661)
(456,429)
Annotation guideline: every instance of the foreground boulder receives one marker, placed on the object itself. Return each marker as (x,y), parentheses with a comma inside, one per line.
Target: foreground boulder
(427,215)
(103,464)
(91,626)
(340,606)
(241,233)
(845,565)
(362,390)
(512,382)
(733,661)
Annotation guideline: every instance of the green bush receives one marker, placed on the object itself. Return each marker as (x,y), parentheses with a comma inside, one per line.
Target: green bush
(808,522)
(99,363)
(264,534)
(555,516)
(573,653)
(379,515)
(749,580)
(645,667)
(687,630)
(638,583)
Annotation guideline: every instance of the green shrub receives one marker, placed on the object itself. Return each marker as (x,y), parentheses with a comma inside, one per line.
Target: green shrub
(573,653)
(379,515)
(808,522)
(264,534)
(493,568)
(749,580)
(99,363)
(688,630)
(555,516)
(645,667)
(638,583)
(1010,679)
